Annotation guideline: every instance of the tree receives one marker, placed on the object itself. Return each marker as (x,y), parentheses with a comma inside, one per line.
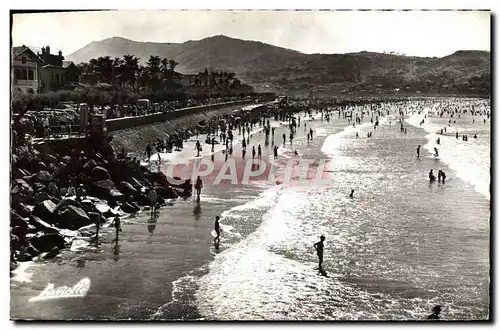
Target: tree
(130,68)
(173,64)
(153,72)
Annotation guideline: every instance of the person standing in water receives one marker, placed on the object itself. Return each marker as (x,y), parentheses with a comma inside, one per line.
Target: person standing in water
(198,148)
(418,151)
(253,152)
(311,133)
(198,185)
(117,224)
(217,231)
(152,198)
(352,193)
(284,138)
(259,152)
(275,151)
(98,221)
(319,250)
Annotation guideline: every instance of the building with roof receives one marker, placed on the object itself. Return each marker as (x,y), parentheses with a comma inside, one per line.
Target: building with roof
(26,70)
(50,72)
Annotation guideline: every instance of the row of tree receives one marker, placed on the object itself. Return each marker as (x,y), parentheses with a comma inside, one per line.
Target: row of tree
(158,75)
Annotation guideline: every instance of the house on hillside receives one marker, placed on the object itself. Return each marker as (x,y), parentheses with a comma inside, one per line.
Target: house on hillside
(188,80)
(49,72)
(25,72)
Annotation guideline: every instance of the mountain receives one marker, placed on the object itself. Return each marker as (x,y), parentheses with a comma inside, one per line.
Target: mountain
(269,67)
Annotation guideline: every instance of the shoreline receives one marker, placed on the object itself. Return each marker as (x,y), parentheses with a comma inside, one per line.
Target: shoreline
(188,205)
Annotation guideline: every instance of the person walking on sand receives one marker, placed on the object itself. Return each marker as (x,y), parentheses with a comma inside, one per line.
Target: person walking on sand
(319,250)
(198,185)
(217,231)
(311,133)
(118,227)
(284,138)
(259,152)
(253,152)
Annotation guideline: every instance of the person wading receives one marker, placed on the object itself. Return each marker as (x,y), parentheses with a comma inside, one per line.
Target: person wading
(198,185)
(118,227)
(217,231)
(319,250)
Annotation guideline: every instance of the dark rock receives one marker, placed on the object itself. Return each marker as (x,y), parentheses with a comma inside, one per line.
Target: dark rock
(88,206)
(72,217)
(22,209)
(49,159)
(115,196)
(52,253)
(45,242)
(66,159)
(15,242)
(137,184)
(127,189)
(129,208)
(44,176)
(142,199)
(46,211)
(95,216)
(66,202)
(31,250)
(158,177)
(101,189)
(100,174)
(42,226)
(42,196)
(23,185)
(166,192)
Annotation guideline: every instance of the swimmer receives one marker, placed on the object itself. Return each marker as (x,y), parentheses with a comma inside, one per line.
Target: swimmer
(435,313)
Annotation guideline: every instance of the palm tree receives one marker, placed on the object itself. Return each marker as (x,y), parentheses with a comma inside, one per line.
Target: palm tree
(153,71)
(117,69)
(172,64)
(131,66)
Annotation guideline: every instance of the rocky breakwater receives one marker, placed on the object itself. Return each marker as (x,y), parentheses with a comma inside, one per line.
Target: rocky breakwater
(59,187)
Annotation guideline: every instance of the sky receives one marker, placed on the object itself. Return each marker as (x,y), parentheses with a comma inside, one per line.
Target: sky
(416,33)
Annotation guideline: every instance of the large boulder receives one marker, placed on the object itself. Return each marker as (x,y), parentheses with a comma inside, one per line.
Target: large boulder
(23,185)
(94,216)
(44,176)
(42,226)
(137,184)
(72,217)
(67,201)
(129,208)
(44,242)
(166,192)
(22,209)
(101,189)
(100,173)
(42,196)
(127,189)
(157,177)
(142,199)
(115,196)
(46,211)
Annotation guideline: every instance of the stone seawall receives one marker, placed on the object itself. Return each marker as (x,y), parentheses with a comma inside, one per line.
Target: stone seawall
(129,122)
